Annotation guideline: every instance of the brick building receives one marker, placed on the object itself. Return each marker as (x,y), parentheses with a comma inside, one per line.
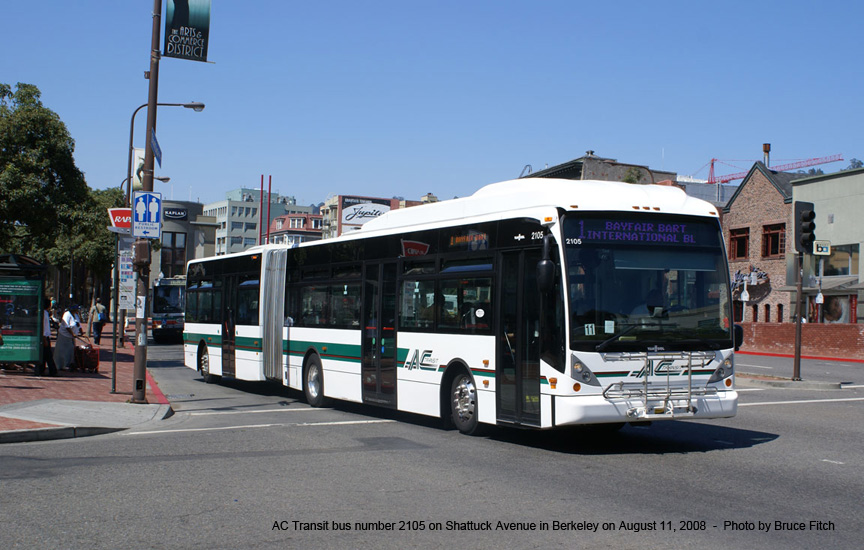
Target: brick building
(758,227)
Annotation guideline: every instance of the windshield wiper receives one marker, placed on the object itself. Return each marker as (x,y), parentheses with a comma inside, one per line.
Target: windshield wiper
(602,345)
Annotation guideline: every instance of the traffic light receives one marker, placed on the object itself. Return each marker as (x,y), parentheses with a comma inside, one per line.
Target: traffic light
(804,227)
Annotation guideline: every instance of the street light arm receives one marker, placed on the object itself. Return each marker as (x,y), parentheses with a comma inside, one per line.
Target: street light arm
(194,105)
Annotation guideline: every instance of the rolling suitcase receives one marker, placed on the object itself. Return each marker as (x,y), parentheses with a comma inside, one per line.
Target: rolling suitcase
(87,357)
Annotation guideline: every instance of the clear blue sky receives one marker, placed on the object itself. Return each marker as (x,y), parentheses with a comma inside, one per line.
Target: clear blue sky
(401,98)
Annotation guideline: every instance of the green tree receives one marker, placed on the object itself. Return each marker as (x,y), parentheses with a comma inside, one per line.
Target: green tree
(40,185)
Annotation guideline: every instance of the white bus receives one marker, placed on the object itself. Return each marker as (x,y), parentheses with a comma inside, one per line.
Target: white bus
(533,303)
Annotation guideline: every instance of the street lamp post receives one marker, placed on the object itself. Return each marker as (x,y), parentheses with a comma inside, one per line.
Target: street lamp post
(196,106)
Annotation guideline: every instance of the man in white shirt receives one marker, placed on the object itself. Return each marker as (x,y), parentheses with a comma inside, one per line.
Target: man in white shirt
(70,328)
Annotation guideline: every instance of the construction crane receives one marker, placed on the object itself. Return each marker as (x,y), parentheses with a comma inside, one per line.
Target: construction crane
(779,168)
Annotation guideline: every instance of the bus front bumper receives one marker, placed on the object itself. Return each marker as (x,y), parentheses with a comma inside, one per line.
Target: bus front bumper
(598,409)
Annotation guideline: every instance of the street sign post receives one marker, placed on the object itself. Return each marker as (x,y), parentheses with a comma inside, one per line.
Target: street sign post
(147,215)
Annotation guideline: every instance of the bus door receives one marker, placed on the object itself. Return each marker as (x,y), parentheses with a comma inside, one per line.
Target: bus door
(378,346)
(229,323)
(518,336)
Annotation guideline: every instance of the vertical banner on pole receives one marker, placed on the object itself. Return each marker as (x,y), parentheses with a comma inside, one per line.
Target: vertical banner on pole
(187,29)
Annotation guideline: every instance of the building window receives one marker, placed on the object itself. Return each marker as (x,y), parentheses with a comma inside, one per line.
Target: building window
(773,240)
(843,260)
(236,226)
(767,313)
(249,242)
(251,226)
(755,313)
(236,241)
(173,261)
(779,313)
(279,223)
(739,240)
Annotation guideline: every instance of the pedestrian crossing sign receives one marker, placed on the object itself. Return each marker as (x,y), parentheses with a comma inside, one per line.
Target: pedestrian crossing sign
(147,215)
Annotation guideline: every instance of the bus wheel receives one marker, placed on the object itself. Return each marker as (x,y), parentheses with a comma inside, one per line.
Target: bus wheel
(313,382)
(463,403)
(204,365)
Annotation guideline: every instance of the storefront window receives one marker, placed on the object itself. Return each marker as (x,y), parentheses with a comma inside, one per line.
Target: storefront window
(173,254)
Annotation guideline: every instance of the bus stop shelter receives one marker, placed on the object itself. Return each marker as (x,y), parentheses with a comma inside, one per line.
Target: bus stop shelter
(22,287)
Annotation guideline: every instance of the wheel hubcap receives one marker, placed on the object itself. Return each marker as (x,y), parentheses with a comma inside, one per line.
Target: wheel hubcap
(464,399)
(313,382)
(205,364)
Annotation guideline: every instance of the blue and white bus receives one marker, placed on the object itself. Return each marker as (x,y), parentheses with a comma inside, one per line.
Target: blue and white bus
(533,303)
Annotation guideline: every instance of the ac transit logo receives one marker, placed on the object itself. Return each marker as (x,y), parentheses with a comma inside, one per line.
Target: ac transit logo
(422,360)
(666,367)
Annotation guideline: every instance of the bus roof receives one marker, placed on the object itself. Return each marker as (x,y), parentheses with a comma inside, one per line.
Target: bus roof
(496,200)
(525,193)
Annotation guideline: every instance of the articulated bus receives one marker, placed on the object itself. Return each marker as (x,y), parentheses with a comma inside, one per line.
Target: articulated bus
(533,303)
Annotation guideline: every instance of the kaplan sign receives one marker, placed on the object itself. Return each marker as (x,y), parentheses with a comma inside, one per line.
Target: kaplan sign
(187,29)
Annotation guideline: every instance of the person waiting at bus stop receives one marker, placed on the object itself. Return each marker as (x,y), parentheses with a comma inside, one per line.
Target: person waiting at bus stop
(70,329)
(98,316)
(47,356)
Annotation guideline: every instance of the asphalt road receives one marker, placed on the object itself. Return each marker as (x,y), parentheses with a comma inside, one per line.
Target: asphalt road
(252,466)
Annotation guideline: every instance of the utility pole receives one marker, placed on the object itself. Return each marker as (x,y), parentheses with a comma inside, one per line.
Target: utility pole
(142,246)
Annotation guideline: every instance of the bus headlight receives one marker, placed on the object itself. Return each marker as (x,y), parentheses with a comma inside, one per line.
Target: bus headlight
(582,373)
(725,370)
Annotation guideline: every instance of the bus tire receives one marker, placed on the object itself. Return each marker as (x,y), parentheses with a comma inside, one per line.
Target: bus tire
(204,365)
(463,403)
(313,382)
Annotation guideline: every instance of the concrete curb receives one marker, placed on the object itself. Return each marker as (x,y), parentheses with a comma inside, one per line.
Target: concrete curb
(48,434)
(746,379)
(160,412)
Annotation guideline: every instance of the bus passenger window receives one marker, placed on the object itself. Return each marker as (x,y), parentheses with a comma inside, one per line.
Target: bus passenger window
(418,305)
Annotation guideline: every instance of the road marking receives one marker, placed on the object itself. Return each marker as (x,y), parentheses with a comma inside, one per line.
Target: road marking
(253,426)
(833,461)
(749,389)
(219,413)
(343,422)
(753,366)
(845,387)
(802,401)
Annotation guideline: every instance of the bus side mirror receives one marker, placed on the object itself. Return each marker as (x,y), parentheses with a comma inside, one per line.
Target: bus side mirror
(545,275)
(739,336)
(546,267)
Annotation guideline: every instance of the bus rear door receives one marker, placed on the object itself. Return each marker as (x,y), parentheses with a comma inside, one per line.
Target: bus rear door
(378,363)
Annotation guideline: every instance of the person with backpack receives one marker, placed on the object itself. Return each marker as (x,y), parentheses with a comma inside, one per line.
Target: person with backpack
(98,318)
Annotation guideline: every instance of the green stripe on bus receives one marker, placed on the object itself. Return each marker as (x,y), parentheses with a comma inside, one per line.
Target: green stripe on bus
(195,337)
(329,350)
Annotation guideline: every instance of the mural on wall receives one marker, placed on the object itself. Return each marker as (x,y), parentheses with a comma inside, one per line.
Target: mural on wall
(758,283)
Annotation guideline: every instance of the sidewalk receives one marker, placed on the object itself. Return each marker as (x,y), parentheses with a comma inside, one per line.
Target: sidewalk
(75,404)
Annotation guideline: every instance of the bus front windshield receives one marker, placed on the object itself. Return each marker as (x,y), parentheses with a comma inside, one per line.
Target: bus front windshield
(640,282)
(168,299)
